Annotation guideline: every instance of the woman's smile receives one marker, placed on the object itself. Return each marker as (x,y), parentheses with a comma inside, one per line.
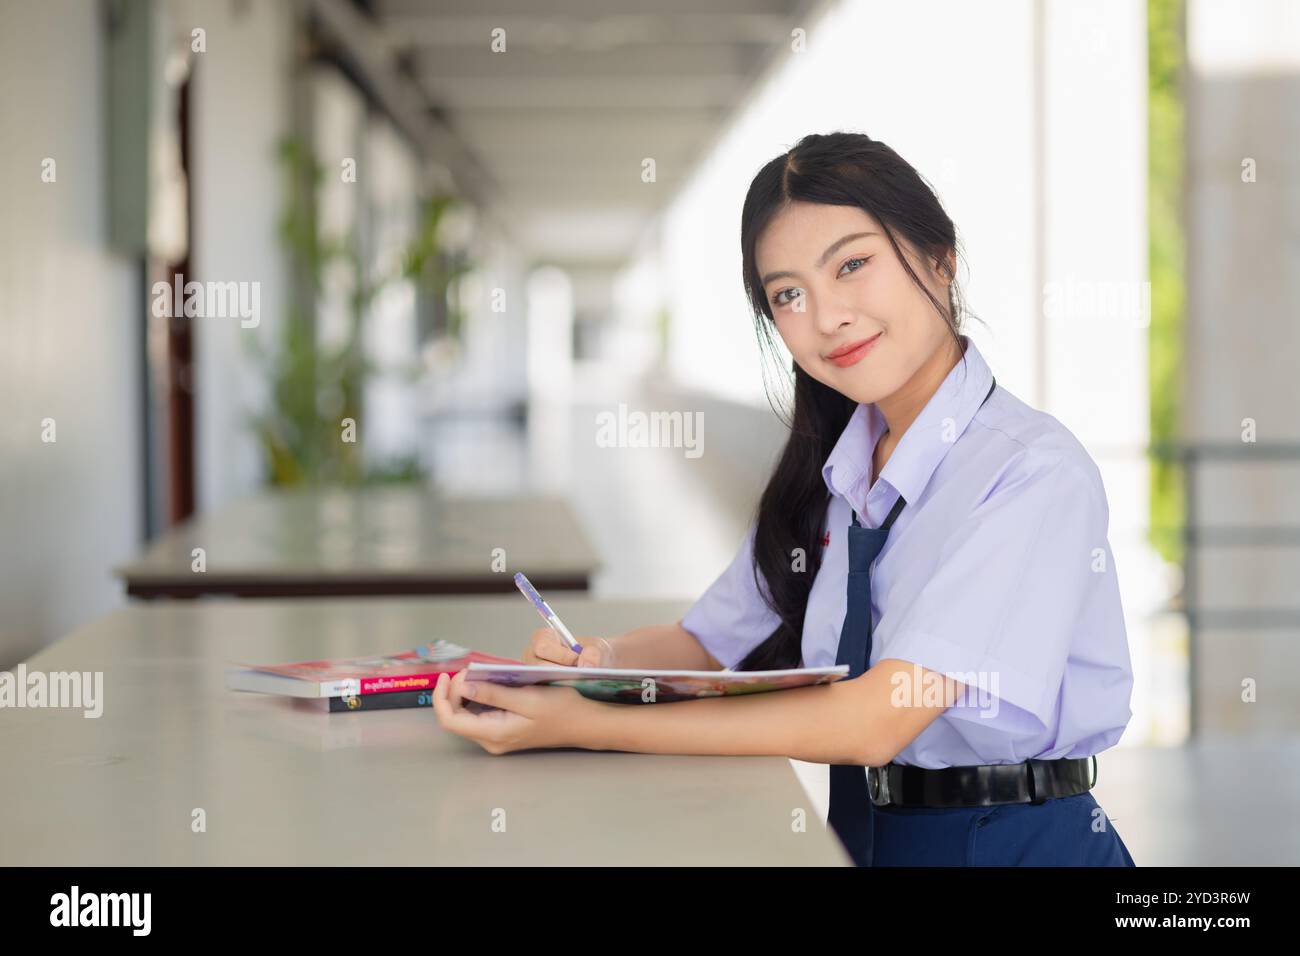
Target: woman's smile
(853,352)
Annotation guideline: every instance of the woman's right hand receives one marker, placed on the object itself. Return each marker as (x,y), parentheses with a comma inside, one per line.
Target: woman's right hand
(546,647)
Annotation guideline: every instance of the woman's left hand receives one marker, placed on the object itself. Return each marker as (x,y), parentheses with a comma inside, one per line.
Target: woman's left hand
(529,717)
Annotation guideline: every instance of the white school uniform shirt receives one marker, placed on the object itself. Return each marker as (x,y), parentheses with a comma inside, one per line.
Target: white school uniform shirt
(997,573)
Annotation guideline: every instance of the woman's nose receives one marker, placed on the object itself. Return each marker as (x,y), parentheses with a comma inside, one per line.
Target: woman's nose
(831,315)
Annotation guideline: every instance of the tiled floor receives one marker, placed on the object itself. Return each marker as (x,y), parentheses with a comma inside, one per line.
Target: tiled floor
(1218,802)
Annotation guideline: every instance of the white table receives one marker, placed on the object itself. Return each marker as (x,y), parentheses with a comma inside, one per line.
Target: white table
(374,541)
(280,785)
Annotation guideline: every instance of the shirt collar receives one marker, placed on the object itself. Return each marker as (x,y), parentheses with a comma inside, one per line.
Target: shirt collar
(923,446)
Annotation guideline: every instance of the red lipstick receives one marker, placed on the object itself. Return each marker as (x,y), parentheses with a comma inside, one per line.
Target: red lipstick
(853,352)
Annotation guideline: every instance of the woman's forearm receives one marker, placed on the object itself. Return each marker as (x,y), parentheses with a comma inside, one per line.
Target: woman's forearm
(864,721)
(661,646)
(806,723)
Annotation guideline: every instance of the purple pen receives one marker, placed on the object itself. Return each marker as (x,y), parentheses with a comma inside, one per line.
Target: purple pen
(545,611)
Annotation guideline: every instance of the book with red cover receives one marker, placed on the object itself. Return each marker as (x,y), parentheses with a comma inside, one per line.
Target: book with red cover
(351,677)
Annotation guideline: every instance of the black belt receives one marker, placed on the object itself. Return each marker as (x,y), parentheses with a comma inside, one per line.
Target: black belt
(1030,782)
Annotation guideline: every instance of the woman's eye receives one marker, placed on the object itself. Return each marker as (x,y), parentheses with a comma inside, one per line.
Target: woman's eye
(858,263)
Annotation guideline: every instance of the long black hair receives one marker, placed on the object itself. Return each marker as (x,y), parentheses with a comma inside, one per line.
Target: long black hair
(838,169)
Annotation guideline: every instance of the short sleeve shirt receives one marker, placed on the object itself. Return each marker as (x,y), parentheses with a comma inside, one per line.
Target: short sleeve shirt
(997,573)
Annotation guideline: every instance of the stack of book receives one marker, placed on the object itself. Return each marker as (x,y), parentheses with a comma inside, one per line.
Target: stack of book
(351,685)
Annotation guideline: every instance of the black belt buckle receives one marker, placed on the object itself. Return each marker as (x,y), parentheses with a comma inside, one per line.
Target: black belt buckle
(878,785)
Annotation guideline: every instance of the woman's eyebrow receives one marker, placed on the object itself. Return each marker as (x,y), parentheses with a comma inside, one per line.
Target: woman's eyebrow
(830,251)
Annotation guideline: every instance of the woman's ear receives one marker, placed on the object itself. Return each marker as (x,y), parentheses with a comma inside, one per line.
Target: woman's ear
(946,266)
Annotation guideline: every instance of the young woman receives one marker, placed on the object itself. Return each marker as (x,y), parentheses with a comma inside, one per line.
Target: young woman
(923,526)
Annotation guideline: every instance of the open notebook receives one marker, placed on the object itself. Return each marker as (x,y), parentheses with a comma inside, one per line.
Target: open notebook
(637,686)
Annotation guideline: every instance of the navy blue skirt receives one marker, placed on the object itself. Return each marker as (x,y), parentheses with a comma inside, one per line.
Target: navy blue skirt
(1067,831)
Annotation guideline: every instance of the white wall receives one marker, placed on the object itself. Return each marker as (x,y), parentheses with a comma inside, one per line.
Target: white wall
(392,395)
(69,333)
(68,337)
(241,102)
(878,68)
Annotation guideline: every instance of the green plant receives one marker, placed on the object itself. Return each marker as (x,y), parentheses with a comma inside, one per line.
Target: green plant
(423,261)
(317,389)
(1165,191)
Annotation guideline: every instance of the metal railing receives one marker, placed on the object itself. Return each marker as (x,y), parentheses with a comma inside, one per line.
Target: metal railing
(1190,457)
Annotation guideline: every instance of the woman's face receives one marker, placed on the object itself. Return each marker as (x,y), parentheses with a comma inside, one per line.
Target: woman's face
(833,282)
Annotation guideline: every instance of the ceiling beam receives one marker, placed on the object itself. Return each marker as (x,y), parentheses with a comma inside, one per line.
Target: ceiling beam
(357,39)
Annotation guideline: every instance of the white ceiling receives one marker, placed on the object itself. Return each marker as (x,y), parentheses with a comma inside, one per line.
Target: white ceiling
(553,131)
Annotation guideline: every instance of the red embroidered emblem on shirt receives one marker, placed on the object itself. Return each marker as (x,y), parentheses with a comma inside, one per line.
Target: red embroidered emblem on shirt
(826,539)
